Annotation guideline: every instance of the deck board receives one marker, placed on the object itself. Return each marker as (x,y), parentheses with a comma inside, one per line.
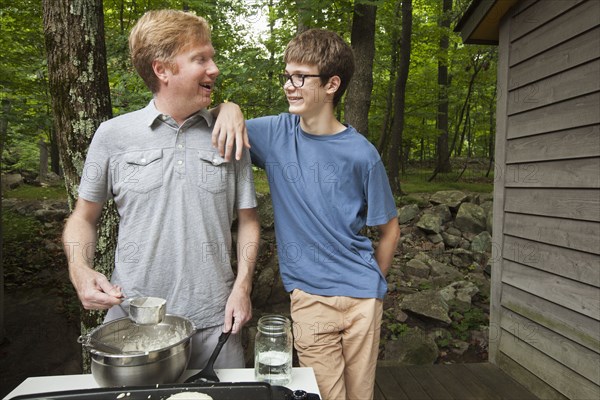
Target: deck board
(409,384)
(429,383)
(447,382)
(499,382)
(387,386)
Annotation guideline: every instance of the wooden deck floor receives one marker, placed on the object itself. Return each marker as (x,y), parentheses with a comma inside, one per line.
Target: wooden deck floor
(481,381)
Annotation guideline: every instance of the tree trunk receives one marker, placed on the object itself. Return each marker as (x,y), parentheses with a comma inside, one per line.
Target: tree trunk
(78,80)
(54,153)
(382,143)
(3,131)
(477,63)
(43,174)
(304,16)
(400,97)
(358,99)
(443,153)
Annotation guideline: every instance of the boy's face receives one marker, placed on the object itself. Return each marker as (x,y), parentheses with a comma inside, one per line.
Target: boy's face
(307,100)
(193,76)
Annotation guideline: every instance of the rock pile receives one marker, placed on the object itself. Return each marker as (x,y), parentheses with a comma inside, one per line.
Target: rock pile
(438,287)
(440,280)
(437,305)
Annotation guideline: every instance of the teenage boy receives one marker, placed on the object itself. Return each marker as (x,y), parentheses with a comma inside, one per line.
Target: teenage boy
(327,183)
(176,197)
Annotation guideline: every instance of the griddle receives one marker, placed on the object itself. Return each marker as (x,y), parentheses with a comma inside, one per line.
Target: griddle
(218,391)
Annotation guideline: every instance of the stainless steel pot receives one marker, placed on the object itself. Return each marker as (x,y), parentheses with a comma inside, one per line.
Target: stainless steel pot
(164,348)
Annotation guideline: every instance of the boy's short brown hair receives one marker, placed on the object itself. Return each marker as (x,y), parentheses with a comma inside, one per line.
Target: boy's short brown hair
(161,35)
(328,51)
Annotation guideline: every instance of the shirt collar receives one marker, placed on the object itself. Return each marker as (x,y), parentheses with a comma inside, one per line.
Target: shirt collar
(151,114)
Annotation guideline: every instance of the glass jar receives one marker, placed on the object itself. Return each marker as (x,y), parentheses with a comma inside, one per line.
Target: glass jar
(273,350)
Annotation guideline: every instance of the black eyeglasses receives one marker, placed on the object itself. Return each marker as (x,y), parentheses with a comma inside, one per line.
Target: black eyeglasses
(297,80)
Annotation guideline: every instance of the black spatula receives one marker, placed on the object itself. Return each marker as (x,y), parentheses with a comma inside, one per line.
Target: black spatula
(208,373)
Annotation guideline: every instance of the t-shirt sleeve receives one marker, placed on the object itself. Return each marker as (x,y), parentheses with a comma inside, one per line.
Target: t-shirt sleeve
(95,176)
(260,135)
(245,192)
(381,206)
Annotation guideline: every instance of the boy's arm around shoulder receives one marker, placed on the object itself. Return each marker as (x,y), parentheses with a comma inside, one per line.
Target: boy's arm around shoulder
(389,234)
(229,130)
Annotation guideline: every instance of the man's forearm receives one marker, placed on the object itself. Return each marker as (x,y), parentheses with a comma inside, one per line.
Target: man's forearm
(247,249)
(79,242)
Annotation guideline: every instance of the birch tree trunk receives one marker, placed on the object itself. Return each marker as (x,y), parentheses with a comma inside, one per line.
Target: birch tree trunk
(358,98)
(78,80)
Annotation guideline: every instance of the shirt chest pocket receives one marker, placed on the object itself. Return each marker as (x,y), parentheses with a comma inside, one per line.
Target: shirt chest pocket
(142,170)
(213,172)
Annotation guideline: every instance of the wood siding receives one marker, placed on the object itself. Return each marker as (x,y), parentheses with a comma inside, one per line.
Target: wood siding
(545,301)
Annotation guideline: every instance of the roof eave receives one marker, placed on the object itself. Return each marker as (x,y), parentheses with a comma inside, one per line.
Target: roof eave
(480,23)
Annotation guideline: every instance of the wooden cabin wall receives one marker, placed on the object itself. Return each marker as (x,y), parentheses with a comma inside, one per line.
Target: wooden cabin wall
(545,301)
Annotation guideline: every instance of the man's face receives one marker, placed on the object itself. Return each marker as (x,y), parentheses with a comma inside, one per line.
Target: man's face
(192,78)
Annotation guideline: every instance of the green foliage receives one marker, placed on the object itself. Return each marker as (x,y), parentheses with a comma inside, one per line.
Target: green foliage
(397,329)
(22,249)
(416,179)
(417,183)
(32,255)
(17,228)
(444,339)
(29,192)
(249,37)
(261,182)
(23,82)
(465,322)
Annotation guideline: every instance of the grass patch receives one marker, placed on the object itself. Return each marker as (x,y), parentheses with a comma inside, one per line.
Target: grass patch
(261,182)
(19,228)
(25,259)
(31,192)
(413,181)
(409,185)
(416,181)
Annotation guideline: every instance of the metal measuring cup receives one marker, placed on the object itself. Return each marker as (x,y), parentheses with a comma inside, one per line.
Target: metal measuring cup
(147,310)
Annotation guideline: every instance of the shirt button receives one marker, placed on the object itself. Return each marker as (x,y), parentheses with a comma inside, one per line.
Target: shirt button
(180,146)
(143,160)
(179,162)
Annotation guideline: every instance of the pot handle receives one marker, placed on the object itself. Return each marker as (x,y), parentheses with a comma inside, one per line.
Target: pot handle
(84,340)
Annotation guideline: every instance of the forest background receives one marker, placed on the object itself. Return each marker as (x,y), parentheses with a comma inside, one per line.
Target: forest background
(426,101)
(422,97)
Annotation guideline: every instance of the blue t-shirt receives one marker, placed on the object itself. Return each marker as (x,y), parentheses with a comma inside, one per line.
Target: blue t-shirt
(324,190)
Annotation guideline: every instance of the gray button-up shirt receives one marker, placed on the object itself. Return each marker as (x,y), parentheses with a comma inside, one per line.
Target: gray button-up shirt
(176,199)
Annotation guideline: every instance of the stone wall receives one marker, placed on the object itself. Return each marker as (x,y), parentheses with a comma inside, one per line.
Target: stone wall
(441,264)
(439,277)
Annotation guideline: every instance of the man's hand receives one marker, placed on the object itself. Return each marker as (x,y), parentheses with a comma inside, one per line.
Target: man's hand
(229,130)
(238,311)
(93,289)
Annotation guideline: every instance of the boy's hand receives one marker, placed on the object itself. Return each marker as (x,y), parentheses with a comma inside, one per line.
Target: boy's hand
(229,130)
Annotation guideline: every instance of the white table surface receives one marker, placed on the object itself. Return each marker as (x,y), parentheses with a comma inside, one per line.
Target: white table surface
(302,378)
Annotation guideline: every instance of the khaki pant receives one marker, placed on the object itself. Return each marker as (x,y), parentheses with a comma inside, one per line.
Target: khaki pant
(339,338)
